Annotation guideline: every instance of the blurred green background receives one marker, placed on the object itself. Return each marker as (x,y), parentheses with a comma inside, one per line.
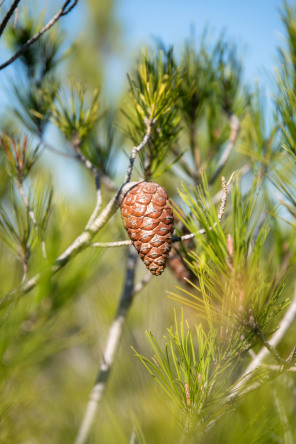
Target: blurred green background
(52,339)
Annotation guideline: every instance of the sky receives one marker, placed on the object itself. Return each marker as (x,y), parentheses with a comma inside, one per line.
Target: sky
(255,25)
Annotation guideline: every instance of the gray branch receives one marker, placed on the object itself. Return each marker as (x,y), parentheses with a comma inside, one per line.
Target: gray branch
(8,15)
(112,344)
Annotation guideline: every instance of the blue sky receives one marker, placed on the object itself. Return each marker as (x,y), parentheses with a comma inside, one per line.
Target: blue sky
(254,24)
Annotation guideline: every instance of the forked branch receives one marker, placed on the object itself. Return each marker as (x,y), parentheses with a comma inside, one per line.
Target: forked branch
(8,15)
(96,222)
(112,344)
(65,9)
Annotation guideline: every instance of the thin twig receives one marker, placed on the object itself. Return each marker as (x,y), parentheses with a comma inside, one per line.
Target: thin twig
(35,37)
(76,144)
(112,344)
(136,150)
(82,241)
(272,350)
(242,172)
(143,282)
(175,238)
(220,214)
(49,147)
(31,215)
(111,244)
(70,8)
(234,124)
(8,15)
(125,243)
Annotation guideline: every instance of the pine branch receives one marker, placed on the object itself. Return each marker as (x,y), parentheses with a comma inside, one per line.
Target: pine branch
(96,222)
(285,324)
(112,344)
(8,15)
(276,338)
(257,361)
(63,11)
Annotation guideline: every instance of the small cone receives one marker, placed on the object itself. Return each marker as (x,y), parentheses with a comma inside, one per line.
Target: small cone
(149,221)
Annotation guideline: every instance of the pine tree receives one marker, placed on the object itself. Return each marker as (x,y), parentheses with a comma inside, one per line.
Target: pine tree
(223,226)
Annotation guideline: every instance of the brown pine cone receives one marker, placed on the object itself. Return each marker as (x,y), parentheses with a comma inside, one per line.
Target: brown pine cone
(149,222)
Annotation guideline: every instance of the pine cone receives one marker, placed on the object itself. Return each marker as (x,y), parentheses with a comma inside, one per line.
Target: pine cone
(149,222)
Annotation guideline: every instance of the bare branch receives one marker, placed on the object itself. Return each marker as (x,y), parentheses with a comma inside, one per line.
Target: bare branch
(8,15)
(96,222)
(51,148)
(112,344)
(136,150)
(111,244)
(272,350)
(234,132)
(63,11)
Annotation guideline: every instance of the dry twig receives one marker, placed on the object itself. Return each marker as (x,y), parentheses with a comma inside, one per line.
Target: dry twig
(9,13)
(112,344)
